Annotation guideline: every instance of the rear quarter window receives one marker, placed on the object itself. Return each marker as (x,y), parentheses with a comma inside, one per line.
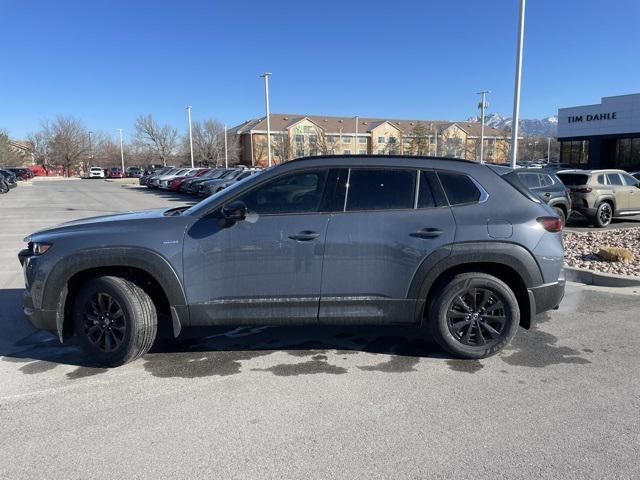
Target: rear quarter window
(459,188)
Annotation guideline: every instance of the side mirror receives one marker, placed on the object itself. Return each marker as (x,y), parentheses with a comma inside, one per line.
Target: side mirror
(235,211)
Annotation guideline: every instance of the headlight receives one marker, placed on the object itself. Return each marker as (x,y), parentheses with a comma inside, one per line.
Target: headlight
(40,248)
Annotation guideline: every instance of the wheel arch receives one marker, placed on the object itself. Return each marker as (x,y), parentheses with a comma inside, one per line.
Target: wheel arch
(143,266)
(509,262)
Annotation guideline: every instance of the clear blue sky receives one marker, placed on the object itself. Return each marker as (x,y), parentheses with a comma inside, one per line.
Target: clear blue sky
(105,62)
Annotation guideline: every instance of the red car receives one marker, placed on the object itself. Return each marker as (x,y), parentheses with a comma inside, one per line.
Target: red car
(114,172)
(174,185)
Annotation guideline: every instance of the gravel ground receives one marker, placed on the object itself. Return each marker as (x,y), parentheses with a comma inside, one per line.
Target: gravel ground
(581,250)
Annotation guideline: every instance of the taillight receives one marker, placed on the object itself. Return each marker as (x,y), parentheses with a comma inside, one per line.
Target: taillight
(550,224)
(582,190)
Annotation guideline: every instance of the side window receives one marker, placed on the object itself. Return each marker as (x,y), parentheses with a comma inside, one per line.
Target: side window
(545,180)
(614,179)
(335,190)
(531,180)
(299,192)
(629,180)
(602,180)
(430,192)
(373,189)
(459,188)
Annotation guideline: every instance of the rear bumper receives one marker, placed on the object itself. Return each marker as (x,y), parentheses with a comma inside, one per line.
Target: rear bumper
(546,297)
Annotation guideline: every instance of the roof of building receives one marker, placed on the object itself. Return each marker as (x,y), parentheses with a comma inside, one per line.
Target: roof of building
(347,125)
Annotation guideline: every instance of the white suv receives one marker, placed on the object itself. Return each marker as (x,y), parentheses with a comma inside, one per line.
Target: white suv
(96,172)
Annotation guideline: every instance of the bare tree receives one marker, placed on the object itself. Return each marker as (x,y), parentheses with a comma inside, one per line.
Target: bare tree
(419,144)
(66,141)
(208,142)
(40,144)
(160,140)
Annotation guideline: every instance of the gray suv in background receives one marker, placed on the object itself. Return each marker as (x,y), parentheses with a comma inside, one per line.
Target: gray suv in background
(463,251)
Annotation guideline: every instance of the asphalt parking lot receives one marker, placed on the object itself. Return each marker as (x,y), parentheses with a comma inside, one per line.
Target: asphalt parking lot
(562,402)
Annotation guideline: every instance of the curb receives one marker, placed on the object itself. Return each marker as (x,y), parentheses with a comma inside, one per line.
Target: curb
(599,279)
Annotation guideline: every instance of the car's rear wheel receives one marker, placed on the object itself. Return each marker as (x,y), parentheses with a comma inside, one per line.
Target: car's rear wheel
(474,315)
(604,215)
(115,320)
(561,214)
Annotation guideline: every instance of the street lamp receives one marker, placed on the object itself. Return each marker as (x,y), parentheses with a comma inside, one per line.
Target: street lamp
(190,135)
(121,151)
(516,90)
(226,156)
(357,145)
(482,105)
(266,75)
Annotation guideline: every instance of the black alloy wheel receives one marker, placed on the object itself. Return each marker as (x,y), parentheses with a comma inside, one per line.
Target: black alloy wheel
(477,317)
(104,322)
(604,215)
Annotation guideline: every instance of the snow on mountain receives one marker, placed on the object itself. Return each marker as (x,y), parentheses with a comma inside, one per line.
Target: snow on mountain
(544,127)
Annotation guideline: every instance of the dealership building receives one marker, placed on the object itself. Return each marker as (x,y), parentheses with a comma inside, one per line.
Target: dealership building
(603,135)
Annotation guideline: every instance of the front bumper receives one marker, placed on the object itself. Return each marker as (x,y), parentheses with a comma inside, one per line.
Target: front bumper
(40,319)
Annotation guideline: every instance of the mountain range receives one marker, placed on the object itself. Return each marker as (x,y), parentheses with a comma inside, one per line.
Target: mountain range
(539,127)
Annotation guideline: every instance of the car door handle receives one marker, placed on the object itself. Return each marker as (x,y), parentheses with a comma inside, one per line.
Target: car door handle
(547,194)
(427,233)
(304,236)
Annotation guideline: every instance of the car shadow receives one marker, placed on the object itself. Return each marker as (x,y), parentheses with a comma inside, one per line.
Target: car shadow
(172,196)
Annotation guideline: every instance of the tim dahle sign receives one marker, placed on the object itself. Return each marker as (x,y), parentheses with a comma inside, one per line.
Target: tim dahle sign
(592,117)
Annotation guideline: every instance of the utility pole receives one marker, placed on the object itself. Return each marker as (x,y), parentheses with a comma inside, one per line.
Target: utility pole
(266,75)
(357,144)
(435,141)
(121,150)
(226,157)
(482,105)
(190,135)
(90,152)
(516,90)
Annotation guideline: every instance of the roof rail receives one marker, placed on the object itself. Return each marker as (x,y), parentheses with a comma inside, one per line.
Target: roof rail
(364,155)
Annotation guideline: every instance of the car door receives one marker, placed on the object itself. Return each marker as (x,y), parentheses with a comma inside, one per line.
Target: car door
(266,268)
(390,220)
(633,191)
(620,191)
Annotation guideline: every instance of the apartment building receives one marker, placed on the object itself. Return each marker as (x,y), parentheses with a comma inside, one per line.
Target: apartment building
(294,136)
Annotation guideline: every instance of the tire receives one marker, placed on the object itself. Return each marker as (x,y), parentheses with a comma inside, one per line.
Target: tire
(560,213)
(604,215)
(115,320)
(3,187)
(447,312)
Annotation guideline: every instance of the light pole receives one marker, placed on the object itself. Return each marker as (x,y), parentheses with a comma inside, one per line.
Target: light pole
(190,135)
(548,149)
(226,157)
(516,90)
(266,75)
(357,144)
(121,150)
(482,105)
(90,151)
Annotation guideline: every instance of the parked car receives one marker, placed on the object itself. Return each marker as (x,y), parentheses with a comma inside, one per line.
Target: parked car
(601,195)
(167,179)
(133,172)
(10,179)
(154,180)
(214,186)
(115,172)
(96,172)
(21,173)
(550,189)
(148,174)
(203,188)
(176,183)
(446,245)
(191,185)
(4,188)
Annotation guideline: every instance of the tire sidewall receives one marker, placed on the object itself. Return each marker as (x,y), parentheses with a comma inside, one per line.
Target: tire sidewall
(598,222)
(458,284)
(120,354)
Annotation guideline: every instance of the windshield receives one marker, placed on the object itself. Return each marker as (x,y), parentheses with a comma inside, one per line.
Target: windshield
(203,206)
(573,179)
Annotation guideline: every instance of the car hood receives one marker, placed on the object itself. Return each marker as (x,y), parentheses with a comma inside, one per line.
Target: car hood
(94,222)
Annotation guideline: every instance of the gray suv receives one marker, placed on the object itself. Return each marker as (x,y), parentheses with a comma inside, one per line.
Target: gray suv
(459,249)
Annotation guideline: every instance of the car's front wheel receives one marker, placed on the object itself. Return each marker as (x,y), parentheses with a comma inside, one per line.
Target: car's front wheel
(474,315)
(3,187)
(115,320)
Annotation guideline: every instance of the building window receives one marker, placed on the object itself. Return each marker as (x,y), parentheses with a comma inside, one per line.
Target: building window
(575,152)
(346,139)
(313,138)
(382,140)
(331,138)
(346,152)
(313,152)
(362,152)
(380,152)
(332,151)
(623,152)
(299,138)
(362,139)
(300,152)
(392,139)
(307,129)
